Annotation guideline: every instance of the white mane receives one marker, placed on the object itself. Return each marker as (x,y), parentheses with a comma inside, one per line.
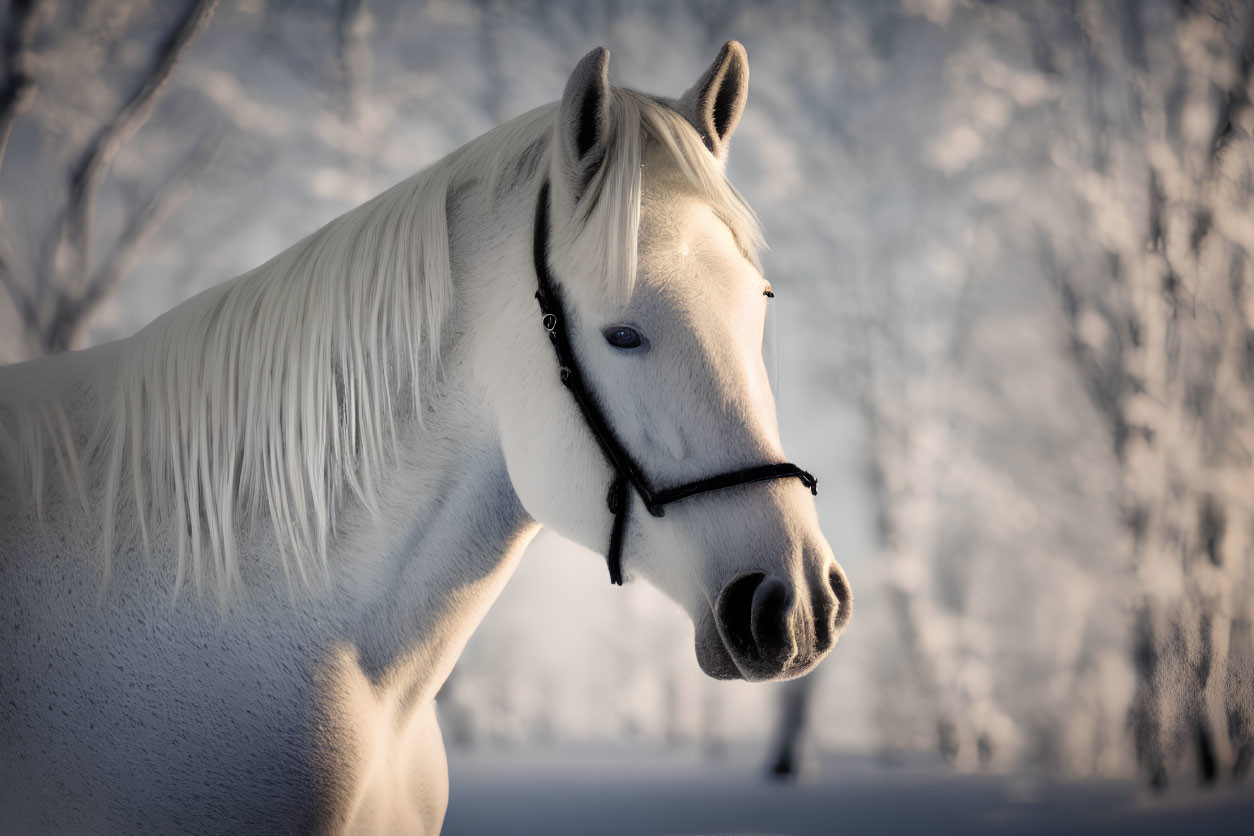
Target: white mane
(278,394)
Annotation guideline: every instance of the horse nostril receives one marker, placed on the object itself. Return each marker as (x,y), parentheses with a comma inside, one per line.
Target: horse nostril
(844,597)
(735,612)
(770,620)
(753,611)
(833,608)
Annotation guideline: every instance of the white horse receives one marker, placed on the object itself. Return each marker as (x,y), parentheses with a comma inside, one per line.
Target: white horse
(241,550)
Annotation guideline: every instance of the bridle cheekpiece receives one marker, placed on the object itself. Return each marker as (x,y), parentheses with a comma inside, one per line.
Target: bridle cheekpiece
(626,472)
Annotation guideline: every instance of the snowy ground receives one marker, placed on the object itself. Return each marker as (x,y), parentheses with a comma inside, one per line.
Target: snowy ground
(600,790)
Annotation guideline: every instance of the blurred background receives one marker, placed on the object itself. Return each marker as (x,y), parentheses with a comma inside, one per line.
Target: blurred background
(1011,245)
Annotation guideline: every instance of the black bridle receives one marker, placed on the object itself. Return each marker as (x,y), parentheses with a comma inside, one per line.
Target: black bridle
(626,471)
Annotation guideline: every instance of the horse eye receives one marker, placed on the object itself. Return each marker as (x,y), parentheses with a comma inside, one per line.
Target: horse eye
(620,336)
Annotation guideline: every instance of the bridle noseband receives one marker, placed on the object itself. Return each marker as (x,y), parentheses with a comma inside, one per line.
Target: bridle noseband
(626,471)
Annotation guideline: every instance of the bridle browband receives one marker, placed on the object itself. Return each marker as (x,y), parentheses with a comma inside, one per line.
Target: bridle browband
(626,471)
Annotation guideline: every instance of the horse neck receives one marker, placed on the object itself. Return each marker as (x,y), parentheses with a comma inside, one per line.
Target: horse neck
(416,580)
(420,577)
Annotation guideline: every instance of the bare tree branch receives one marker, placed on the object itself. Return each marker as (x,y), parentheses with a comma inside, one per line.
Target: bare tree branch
(301,68)
(74,307)
(350,41)
(18,83)
(15,92)
(94,164)
(22,299)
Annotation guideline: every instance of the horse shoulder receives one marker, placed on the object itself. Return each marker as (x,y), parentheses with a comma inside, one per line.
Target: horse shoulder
(392,766)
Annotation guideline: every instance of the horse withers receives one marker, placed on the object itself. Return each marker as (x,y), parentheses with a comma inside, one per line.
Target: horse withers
(241,550)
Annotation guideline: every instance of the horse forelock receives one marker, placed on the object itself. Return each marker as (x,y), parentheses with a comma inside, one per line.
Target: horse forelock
(598,239)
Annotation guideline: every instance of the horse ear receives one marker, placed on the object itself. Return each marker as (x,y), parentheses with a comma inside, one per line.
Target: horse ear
(584,118)
(715,102)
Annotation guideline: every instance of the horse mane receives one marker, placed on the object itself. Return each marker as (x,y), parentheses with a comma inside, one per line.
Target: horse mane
(278,394)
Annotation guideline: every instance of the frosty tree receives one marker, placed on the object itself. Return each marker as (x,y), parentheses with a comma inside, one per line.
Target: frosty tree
(1159,314)
(1040,231)
(55,279)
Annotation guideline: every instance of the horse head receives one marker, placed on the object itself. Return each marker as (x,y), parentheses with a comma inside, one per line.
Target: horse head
(651,293)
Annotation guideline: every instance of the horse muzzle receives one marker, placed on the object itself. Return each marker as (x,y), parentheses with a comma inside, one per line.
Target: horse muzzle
(763,628)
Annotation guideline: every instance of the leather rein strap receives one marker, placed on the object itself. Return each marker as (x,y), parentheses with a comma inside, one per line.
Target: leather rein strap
(627,472)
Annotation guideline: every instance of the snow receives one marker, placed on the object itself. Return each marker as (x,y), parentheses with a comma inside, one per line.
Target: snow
(579,790)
